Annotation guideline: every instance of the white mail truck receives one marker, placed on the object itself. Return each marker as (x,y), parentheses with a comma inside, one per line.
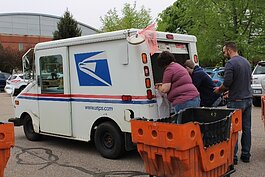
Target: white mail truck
(89,88)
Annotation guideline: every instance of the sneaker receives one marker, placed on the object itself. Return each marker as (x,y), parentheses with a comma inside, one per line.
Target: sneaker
(245,159)
(235,161)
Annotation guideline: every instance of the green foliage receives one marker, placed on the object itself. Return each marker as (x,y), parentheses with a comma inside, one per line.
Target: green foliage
(214,22)
(67,27)
(131,18)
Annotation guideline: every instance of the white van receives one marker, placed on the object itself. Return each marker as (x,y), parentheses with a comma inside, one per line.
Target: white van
(258,82)
(90,87)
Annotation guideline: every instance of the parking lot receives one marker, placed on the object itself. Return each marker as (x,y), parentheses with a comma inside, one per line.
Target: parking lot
(59,157)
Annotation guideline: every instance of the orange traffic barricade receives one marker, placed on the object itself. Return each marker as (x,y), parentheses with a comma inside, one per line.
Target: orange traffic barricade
(6,142)
(201,143)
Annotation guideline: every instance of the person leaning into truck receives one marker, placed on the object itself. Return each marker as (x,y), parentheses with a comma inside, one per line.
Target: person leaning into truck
(177,83)
(237,80)
(204,83)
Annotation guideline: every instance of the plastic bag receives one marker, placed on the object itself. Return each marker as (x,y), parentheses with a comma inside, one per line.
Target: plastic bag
(163,104)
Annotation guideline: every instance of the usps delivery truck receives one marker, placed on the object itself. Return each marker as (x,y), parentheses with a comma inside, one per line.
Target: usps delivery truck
(89,88)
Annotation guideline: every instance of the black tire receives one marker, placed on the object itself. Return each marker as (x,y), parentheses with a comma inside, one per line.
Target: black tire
(109,140)
(257,101)
(28,129)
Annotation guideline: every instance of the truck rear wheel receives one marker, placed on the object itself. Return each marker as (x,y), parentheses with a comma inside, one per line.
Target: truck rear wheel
(109,140)
(28,129)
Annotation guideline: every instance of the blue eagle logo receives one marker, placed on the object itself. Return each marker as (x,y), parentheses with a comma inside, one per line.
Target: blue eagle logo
(93,69)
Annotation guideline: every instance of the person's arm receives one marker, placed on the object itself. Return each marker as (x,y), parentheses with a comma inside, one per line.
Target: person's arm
(228,79)
(164,88)
(228,75)
(198,78)
(219,90)
(167,79)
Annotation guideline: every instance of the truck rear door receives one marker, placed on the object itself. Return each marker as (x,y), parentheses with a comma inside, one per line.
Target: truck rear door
(180,52)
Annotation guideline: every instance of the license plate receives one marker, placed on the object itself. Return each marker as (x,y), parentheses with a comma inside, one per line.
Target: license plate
(257,91)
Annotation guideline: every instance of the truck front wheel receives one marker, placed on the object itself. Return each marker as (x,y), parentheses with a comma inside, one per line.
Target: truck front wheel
(28,129)
(109,140)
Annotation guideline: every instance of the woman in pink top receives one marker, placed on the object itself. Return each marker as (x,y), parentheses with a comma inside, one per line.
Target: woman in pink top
(177,83)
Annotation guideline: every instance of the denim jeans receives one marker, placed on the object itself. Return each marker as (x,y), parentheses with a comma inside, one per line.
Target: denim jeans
(195,102)
(246,106)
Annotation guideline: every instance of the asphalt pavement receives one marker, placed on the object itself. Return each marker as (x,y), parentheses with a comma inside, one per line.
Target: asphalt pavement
(55,157)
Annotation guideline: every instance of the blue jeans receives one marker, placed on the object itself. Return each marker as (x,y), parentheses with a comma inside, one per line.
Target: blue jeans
(246,106)
(195,102)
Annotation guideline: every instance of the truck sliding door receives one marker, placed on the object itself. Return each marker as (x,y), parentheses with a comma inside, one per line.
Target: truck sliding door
(53,91)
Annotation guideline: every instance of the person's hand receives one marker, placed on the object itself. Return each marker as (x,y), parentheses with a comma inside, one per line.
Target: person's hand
(217,90)
(225,95)
(157,85)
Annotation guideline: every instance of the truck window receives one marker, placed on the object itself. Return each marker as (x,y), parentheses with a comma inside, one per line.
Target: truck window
(51,74)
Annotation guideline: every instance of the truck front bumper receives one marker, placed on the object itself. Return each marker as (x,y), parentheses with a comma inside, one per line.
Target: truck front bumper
(257,90)
(16,121)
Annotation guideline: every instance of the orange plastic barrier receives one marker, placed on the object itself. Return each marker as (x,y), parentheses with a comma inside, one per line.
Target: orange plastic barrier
(6,142)
(178,150)
(263,109)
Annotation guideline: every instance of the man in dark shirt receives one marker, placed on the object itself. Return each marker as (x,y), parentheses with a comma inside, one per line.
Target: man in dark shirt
(204,84)
(237,81)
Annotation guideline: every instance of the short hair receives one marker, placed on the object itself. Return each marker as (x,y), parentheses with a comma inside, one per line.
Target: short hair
(165,58)
(189,63)
(231,45)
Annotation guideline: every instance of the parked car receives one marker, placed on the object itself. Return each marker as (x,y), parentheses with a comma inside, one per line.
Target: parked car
(217,75)
(15,84)
(3,77)
(258,82)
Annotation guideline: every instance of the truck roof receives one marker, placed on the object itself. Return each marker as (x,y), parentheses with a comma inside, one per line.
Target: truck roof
(108,36)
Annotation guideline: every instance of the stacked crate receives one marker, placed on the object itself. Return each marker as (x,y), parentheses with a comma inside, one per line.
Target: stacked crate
(201,144)
(6,142)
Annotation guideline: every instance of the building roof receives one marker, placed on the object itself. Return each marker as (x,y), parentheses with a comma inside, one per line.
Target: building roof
(35,24)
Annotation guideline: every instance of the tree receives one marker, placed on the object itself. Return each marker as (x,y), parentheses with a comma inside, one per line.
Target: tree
(131,18)
(10,59)
(67,27)
(214,22)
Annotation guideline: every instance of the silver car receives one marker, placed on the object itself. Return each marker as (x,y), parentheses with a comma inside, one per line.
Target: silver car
(258,82)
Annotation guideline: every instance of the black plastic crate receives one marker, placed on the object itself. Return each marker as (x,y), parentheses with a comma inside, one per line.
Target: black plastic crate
(215,124)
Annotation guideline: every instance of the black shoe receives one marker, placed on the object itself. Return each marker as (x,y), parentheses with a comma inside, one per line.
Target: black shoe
(245,159)
(235,161)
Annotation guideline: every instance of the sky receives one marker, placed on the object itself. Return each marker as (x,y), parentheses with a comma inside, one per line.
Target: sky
(85,11)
